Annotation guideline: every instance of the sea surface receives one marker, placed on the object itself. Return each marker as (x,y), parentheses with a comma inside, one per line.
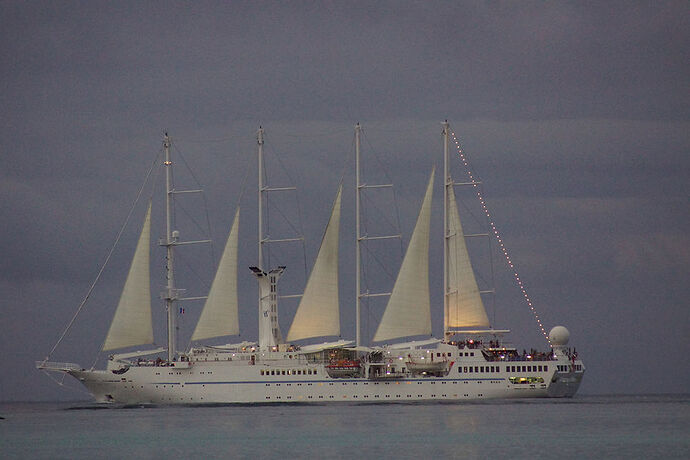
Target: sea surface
(625,427)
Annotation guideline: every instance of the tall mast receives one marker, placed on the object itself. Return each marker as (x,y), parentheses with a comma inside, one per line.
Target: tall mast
(447,182)
(363,238)
(270,336)
(260,141)
(358,242)
(170,294)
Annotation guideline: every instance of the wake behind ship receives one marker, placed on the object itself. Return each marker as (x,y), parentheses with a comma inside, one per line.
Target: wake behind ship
(471,361)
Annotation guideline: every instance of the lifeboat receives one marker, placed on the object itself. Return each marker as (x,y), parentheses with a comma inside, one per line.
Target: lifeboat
(419,365)
(343,368)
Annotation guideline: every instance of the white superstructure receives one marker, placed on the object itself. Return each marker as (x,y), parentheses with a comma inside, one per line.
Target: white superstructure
(471,361)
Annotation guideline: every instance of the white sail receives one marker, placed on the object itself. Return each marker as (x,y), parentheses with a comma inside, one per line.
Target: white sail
(465,306)
(132,321)
(220,314)
(408,311)
(318,314)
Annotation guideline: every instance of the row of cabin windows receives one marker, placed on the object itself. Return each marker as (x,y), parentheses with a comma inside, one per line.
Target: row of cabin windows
(540,368)
(443,355)
(376,396)
(377,383)
(288,372)
(565,368)
(191,373)
(494,369)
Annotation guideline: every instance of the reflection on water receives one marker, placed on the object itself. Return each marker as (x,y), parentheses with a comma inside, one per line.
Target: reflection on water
(586,426)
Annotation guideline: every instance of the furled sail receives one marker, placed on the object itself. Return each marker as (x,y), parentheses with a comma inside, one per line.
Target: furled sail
(408,311)
(132,321)
(465,306)
(318,314)
(220,314)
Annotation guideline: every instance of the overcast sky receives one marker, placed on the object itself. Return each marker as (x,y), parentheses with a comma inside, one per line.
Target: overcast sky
(575,115)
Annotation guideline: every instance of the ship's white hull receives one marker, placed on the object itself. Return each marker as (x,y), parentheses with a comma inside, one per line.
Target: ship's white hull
(225,382)
(276,371)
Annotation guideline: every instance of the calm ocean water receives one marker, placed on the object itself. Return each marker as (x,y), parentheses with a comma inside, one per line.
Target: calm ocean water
(649,426)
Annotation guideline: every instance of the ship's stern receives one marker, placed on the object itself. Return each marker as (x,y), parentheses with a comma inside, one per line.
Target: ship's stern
(566,380)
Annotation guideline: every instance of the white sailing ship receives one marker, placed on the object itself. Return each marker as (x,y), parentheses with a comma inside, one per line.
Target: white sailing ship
(470,362)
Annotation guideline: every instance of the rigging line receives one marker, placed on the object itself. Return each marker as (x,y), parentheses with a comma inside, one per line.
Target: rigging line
(472,213)
(180,257)
(154,182)
(243,188)
(277,208)
(493,281)
(191,218)
(301,232)
(245,179)
(62,383)
(210,233)
(275,155)
(348,160)
(382,167)
(397,217)
(380,263)
(486,282)
(184,161)
(287,221)
(499,239)
(198,182)
(385,169)
(203,196)
(380,214)
(299,213)
(107,259)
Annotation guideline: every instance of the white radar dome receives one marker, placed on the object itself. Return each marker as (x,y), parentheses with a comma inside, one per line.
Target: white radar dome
(559,335)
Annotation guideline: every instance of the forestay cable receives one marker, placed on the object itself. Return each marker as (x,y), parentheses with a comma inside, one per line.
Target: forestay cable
(107,259)
(494,229)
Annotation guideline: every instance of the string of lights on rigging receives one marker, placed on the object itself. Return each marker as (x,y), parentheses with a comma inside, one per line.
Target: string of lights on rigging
(494,229)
